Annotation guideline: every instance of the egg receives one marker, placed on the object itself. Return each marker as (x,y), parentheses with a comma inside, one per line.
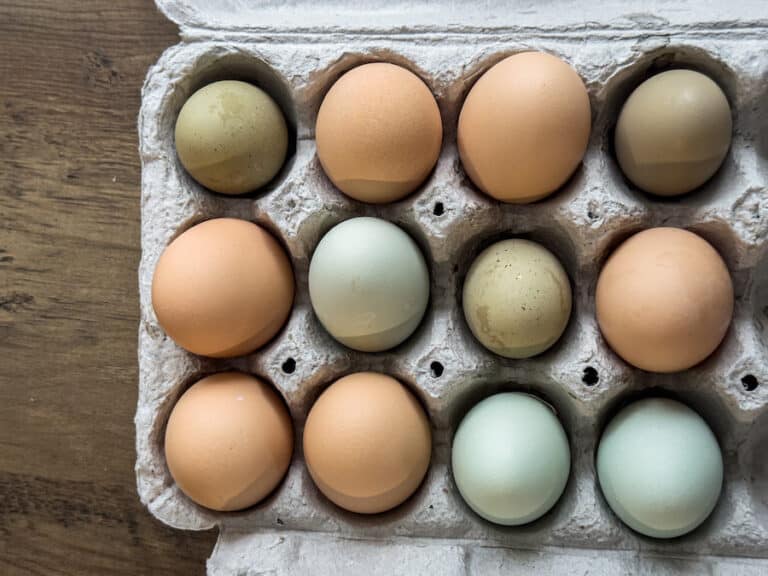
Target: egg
(524,127)
(660,467)
(673,132)
(228,441)
(368,284)
(510,458)
(664,300)
(367,443)
(516,298)
(378,132)
(223,288)
(231,137)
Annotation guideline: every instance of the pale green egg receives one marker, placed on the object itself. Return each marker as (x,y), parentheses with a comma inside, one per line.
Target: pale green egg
(511,458)
(369,284)
(660,467)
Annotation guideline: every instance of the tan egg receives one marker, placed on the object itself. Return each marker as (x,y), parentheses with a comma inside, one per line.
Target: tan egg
(367,443)
(223,288)
(517,298)
(231,137)
(524,127)
(673,132)
(664,300)
(229,440)
(378,133)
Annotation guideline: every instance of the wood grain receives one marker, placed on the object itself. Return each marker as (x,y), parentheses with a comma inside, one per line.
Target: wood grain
(70,80)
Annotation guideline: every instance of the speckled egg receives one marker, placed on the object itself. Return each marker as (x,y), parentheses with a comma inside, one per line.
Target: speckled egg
(517,298)
(231,137)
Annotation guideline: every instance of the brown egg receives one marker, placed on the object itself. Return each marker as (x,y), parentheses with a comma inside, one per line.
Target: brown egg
(524,127)
(664,300)
(223,288)
(378,133)
(229,441)
(367,443)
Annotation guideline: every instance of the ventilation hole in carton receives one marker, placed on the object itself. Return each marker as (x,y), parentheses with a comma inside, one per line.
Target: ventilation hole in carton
(749,382)
(437,369)
(439,209)
(590,376)
(289,366)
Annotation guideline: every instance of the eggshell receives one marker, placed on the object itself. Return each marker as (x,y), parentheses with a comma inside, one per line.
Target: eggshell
(228,441)
(517,298)
(369,284)
(231,137)
(660,467)
(223,288)
(664,300)
(378,132)
(673,132)
(510,458)
(524,127)
(367,443)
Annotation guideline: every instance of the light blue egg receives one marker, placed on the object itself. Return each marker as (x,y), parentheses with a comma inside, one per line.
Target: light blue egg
(660,467)
(511,458)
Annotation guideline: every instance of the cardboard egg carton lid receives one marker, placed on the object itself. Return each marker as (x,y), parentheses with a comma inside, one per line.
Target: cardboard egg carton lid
(201,17)
(296,49)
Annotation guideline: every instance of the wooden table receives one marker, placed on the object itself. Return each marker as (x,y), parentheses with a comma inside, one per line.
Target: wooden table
(70,76)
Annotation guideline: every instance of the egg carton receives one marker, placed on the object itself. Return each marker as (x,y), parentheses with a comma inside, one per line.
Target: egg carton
(296,50)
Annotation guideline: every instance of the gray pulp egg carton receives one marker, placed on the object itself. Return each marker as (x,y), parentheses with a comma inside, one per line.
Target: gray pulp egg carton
(296,50)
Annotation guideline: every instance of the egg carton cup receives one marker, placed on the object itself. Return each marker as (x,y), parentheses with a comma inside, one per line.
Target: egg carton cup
(296,50)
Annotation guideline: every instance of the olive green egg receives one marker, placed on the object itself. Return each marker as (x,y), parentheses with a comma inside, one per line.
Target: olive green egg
(231,137)
(517,298)
(673,132)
